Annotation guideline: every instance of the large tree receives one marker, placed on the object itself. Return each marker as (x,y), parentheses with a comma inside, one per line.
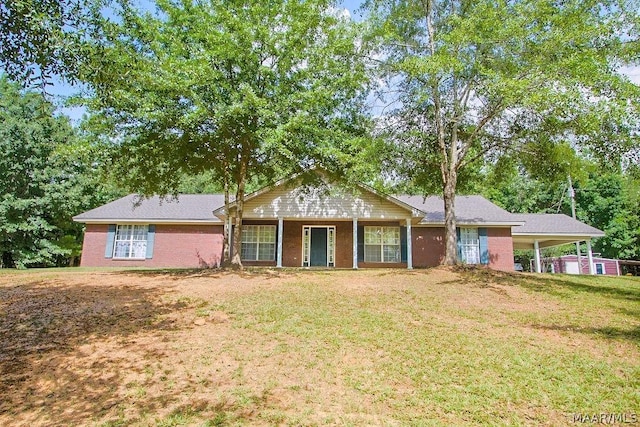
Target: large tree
(45,179)
(470,80)
(248,90)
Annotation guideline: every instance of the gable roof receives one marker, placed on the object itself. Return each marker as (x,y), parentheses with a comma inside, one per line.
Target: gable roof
(187,208)
(554,224)
(469,210)
(284,199)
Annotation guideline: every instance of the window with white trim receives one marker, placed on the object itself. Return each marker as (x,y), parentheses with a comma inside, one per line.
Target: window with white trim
(469,245)
(381,244)
(258,243)
(130,241)
(599,268)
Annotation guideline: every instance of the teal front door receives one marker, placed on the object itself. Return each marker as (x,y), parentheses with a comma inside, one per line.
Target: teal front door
(318,256)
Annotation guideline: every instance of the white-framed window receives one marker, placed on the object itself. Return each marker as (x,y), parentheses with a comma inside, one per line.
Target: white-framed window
(381,244)
(600,268)
(130,241)
(469,245)
(258,243)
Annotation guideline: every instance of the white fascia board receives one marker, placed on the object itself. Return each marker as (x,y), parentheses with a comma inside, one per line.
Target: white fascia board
(472,224)
(561,235)
(149,221)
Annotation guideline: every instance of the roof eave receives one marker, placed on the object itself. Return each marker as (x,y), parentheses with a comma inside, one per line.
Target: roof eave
(145,221)
(477,224)
(563,235)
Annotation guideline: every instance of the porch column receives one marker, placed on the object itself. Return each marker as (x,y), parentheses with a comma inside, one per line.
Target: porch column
(355,243)
(579,257)
(409,254)
(536,250)
(590,258)
(279,256)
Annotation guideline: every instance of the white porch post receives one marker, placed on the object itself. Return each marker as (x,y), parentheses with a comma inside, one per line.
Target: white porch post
(409,251)
(536,250)
(590,258)
(579,257)
(355,243)
(280,227)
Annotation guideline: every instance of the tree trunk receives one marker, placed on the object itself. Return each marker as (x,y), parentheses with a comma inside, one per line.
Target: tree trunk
(450,236)
(236,261)
(226,254)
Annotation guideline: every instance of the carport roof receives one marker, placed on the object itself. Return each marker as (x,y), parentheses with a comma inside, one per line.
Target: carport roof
(550,230)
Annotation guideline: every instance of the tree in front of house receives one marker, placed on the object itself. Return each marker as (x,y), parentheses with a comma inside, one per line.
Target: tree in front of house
(470,81)
(247,90)
(44,181)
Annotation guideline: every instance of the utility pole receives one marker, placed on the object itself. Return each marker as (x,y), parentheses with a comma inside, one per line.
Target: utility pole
(572,196)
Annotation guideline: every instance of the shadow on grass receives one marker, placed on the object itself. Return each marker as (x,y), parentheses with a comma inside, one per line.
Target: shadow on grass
(41,327)
(562,285)
(559,286)
(214,273)
(632,334)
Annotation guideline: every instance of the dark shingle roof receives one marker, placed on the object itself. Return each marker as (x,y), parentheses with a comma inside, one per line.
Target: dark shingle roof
(469,210)
(187,207)
(554,224)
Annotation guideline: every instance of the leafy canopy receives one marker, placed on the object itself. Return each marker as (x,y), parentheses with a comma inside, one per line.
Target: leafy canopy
(470,81)
(240,88)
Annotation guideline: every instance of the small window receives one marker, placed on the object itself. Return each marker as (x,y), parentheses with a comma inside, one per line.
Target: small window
(599,268)
(470,245)
(382,244)
(130,242)
(258,243)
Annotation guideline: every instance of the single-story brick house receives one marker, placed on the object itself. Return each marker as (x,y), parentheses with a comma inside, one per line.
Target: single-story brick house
(294,225)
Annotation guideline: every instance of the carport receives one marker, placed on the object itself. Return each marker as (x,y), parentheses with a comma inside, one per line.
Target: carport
(548,230)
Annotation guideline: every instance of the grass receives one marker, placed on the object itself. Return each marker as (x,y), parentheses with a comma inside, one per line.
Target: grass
(380,348)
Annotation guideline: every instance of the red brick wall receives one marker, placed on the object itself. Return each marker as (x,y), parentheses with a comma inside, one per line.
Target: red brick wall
(427,246)
(500,248)
(186,246)
(292,238)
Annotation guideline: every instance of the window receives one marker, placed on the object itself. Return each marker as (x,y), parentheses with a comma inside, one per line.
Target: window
(258,243)
(130,241)
(382,244)
(599,268)
(469,245)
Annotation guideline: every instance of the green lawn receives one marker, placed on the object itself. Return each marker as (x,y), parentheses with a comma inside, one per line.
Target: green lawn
(376,347)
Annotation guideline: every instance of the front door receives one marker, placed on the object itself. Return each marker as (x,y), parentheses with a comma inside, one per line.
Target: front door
(318,245)
(318,251)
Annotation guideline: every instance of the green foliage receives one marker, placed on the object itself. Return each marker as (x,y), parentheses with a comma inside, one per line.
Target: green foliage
(43,182)
(40,39)
(607,202)
(471,81)
(244,90)
(605,199)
